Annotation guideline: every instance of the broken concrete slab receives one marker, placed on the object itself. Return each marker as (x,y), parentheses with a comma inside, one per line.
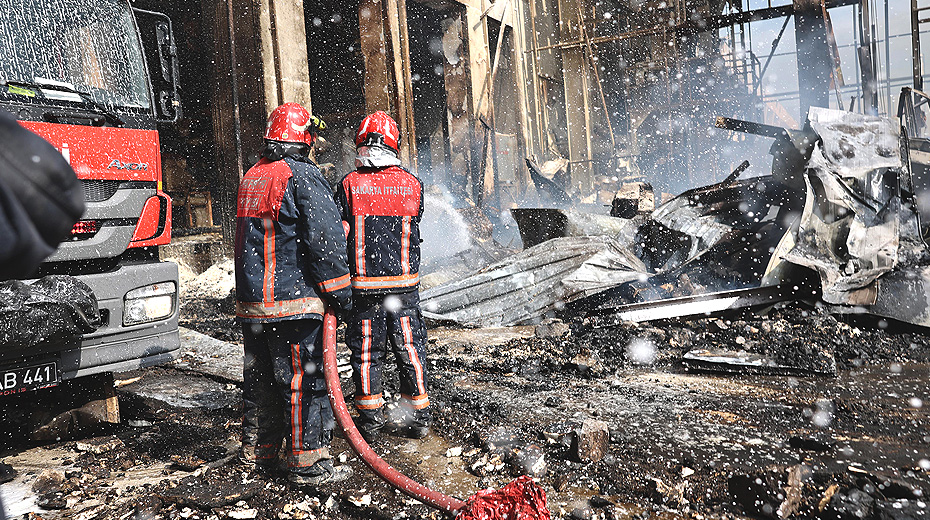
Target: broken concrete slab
(187,391)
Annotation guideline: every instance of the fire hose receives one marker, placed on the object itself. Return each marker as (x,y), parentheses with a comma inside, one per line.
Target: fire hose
(521,499)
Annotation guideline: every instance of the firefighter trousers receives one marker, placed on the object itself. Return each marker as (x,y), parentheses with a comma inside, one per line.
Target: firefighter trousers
(284,392)
(372,324)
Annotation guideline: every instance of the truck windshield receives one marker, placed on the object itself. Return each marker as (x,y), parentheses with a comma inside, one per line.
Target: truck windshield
(85,45)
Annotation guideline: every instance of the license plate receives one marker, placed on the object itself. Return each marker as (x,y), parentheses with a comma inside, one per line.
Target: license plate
(18,380)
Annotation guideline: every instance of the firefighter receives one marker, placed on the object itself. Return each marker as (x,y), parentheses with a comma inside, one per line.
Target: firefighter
(381,205)
(290,258)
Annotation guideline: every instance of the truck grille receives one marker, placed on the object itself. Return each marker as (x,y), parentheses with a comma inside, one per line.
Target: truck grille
(98,190)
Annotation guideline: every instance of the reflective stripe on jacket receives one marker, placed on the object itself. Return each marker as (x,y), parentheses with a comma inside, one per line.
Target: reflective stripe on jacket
(290,245)
(383,208)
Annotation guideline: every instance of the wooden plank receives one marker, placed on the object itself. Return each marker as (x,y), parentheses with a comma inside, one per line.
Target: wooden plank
(540,115)
(291,53)
(478,61)
(458,101)
(489,153)
(285,69)
(478,65)
(589,50)
(270,81)
(500,11)
(407,109)
(577,99)
(372,41)
(401,94)
(521,175)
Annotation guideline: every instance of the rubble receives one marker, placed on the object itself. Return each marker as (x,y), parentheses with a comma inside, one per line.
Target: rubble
(590,441)
(99,445)
(525,287)
(50,481)
(652,384)
(837,204)
(7,473)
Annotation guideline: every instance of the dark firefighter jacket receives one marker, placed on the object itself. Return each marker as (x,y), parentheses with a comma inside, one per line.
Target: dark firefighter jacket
(290,244)
(383,209)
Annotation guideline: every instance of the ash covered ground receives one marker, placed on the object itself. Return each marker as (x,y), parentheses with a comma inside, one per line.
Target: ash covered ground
(610,421)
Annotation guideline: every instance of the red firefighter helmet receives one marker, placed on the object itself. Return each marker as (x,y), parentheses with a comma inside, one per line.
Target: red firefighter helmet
(291,123)
(378,129)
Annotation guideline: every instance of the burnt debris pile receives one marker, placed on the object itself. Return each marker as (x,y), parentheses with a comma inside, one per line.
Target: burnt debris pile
(835,225)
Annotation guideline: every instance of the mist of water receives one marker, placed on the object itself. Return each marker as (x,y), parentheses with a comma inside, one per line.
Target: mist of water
(443,229)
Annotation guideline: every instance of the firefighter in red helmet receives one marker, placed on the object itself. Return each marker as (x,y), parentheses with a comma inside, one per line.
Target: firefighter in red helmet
(381,206)
(290,258)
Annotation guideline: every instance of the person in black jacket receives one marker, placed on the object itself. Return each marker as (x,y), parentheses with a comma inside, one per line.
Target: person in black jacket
(290,258)
(381,204)
(40,200)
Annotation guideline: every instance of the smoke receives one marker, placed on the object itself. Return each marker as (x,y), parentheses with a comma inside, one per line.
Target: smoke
(443,229)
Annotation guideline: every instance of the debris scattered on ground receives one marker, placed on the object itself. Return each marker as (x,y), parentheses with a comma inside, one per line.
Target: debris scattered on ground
(651,384)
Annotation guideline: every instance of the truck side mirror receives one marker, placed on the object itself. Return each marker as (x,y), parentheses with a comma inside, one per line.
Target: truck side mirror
(161,56)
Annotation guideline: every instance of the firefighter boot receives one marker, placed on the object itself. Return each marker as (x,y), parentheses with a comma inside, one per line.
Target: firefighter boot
(319,474)
(414,424)
(370,423)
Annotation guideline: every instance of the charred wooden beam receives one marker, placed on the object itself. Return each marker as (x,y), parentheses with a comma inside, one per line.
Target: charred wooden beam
(750,127)
(373,43)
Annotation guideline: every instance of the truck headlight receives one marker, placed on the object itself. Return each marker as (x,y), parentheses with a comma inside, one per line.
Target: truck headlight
(150,303)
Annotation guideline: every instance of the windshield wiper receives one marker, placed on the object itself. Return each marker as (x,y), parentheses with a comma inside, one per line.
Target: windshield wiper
(111,116)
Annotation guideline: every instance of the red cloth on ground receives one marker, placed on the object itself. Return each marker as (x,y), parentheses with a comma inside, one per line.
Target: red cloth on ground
(521,499)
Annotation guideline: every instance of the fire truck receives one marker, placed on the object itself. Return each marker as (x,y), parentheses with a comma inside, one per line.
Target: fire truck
(77,73)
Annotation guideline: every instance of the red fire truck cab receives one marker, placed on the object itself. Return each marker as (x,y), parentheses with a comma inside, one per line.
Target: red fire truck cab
(76,72)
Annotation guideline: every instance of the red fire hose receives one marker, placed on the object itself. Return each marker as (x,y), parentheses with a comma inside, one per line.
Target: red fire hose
(521,499)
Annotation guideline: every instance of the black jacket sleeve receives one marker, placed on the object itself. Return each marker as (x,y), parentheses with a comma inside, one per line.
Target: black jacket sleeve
(40,199)
(342,201)
(321,228)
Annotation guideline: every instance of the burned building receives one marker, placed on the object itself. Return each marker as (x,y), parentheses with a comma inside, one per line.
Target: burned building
(599,94)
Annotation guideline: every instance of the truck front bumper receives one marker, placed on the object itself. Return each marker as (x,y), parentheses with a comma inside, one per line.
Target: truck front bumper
(117,348)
